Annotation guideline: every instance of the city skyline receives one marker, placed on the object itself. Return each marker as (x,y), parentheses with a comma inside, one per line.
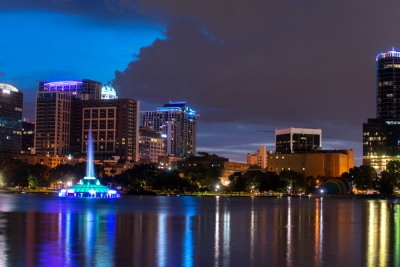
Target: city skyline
(242,73)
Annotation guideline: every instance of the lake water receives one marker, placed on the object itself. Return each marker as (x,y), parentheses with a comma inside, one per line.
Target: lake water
(198,231)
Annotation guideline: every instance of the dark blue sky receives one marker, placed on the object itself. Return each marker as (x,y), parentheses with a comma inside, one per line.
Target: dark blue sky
(248,67)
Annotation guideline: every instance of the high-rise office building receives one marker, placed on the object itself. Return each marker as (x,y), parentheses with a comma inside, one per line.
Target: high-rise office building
(53,115)
(115,128)
(293,140)
(152,144)
(11,100)
(84,90)
(28,137)
(381,135)
(64,111)
(178,122)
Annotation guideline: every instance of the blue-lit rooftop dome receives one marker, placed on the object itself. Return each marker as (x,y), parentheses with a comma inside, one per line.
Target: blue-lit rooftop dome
(388,54)
(108,92)
(177,106)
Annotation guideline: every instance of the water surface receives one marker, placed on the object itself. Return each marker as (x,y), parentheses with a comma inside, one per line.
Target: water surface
(198,231)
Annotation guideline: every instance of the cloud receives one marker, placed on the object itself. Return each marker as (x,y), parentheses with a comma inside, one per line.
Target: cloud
(2,74)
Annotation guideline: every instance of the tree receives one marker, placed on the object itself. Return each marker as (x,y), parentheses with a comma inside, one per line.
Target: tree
(240,184)
(362,177)
(203,153)
(386,183)
(295,179)
(271,181)
(213,174)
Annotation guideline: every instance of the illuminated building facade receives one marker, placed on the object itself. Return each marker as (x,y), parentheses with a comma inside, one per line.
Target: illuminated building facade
(293,140)
(327,163)
(381,136)
(84,90)
(108,92)
(11,100)
(152,144)
(28,137)
(115,128)
(52,131)
(178,122)
(259,158)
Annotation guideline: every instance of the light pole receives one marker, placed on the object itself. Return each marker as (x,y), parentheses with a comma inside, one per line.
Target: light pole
(217,187)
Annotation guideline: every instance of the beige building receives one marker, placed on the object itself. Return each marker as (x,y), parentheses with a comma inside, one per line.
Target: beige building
(259,158)
(328,163)
(51,161)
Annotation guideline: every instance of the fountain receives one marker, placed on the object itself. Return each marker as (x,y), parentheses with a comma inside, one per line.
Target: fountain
(89,186)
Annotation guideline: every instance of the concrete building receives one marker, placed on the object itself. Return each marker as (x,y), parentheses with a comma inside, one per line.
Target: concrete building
(259,158)
(293,140)
(328,163)
(178,122)
(11,100)
(152,144)
(28,137)
(115,128)
(52,131)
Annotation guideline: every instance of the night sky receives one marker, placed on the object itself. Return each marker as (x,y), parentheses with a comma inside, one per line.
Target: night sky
(248,67)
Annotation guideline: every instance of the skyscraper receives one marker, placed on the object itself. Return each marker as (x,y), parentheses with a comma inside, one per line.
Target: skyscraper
(53,115)
(178,122)
(381,135)
(388,85)
(115,127)
(11,100)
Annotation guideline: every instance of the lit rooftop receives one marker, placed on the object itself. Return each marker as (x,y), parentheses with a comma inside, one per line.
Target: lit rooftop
(388,54)
(8,87)
(63,83)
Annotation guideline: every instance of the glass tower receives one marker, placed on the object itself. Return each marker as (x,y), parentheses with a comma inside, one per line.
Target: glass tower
(388,85)
(10,120)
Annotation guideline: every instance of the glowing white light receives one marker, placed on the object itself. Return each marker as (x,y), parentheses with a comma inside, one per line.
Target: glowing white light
(92,192)
(108,92)
(70,191)
(111,192)
(164,136)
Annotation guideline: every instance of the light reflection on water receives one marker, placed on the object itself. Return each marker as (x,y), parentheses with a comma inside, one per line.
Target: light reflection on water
(198,231)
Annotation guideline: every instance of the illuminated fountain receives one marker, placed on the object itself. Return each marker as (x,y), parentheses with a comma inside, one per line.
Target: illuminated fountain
(89,186)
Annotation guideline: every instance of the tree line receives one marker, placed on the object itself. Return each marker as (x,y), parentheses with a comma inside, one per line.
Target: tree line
(365,178)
